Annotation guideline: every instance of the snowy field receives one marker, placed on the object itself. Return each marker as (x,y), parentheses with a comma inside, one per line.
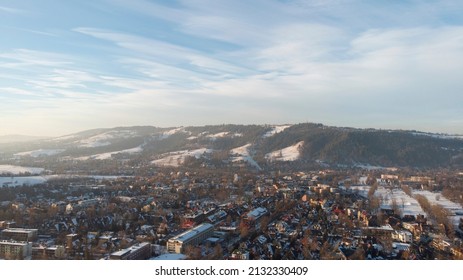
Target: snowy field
(40,153)
(374,167)
(437,198)
(216,136)
(101,140)
(62,138)
(242,154)
(362,190)
(171,132)
(15,170)
(87,143)
(276,129)
(177,158)
(35,180)
(204,134)
(409,205)
(102,156)
(19,181)
(290,153)
(441,136)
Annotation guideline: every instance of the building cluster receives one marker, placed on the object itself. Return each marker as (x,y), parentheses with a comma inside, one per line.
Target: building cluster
(16,243)
(297,215)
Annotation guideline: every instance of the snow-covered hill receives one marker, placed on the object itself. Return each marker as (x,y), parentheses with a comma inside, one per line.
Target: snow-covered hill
(290,153)
(243,154)
(255,146)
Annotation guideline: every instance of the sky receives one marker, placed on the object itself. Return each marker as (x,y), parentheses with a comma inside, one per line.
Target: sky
(68,66)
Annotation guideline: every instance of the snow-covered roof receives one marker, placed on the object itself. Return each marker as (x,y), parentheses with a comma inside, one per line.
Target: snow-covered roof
(187,235)
(169,257)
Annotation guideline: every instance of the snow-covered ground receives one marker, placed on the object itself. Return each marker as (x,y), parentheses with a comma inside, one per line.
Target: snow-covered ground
(101,139)
(102,156)
(98,140)
(15,170)
(242,154)
(218,135)
(368,166)
(362,190)
(35,180)
(19,181)
(167,134)
(87,143)
(437,135)
(40,152)
(439,199)
(275,129)
(290,153)
(177,158)
(408,205)
(107,177)
(215,136)
(65,137)
(224,134)
(363,180)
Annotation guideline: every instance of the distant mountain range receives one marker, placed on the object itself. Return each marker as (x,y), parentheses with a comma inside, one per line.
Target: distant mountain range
(18,138)
(251,146)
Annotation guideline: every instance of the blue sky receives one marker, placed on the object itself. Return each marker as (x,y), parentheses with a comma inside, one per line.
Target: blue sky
(67,66)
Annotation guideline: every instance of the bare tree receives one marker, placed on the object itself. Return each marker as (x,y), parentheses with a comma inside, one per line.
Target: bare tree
(395,207)
(407,190)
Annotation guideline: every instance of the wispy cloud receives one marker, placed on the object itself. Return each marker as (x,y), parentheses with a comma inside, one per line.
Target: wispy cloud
(65,78)
(153,9)
(172,63)
(342,62)
(39,32)
(12,10)
(16,91)
(26,57)
(160,51)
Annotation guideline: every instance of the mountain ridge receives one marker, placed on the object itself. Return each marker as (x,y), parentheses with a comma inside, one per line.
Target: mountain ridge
(264,146)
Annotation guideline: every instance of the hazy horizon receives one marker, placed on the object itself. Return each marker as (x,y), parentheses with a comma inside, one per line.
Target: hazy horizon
(67,66)
(202,125)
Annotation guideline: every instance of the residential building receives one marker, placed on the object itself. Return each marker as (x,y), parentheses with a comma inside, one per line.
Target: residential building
(7,224)
(140,251)
(253,217)
(403,236)
(15,250)
(240,254)
(20,234)
(70,239)
(256,214)
(194,236)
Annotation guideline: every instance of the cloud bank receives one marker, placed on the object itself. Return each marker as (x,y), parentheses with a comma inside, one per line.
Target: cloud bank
(346,63)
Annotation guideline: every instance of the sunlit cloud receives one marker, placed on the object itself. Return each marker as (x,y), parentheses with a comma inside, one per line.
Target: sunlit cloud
(346,63)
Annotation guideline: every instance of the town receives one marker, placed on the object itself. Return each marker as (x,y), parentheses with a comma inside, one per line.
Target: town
(175,214)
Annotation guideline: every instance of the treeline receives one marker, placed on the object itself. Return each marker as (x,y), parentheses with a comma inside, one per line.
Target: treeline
(437,213)
(376,147)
